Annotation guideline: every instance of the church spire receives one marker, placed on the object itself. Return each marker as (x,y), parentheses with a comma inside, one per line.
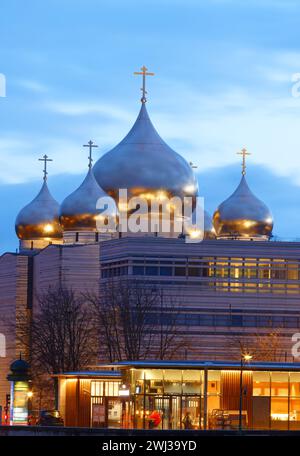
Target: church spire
(144,72)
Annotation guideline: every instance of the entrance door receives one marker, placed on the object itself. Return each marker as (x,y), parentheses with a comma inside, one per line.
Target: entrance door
(162,405)
(169,409)
(114,413)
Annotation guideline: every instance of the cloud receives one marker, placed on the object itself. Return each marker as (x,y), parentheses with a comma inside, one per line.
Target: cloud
(19,158)
(73,108)
(33,86)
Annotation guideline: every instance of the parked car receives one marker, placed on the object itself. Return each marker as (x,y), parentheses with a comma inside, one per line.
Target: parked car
(50,418)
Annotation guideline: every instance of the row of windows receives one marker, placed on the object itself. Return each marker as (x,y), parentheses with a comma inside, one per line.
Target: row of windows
(182,271)
(255,321)
(263,271)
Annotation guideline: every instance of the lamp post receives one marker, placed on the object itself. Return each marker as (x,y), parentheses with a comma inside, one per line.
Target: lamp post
(244,358)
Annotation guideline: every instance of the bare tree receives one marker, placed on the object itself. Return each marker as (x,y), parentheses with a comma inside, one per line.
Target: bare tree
(135,321)
(266,347)
(169,341)
(61,336)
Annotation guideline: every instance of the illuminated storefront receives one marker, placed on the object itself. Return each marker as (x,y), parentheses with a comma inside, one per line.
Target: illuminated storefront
(185,395)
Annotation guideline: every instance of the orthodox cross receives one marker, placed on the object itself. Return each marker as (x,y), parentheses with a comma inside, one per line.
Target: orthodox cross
(244,153)
(144,72)
(90,145)
(45,159)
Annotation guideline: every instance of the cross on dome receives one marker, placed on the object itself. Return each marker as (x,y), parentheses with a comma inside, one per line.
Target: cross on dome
(45,159)
(144,72)
(90,145)
(243,152)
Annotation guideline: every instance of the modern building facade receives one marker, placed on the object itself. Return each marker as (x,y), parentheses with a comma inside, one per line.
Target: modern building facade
(184,395)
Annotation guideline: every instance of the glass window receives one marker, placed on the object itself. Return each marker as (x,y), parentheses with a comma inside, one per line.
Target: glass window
(279,413)
(279,384)
(264,321)
(295,384)
(264,268)
(192,382)
(222,269)
(206,272)
(278,322)
(213,382)
(112,389)
(278,270)
(293,273)
(237,320)
(261,383)
(294,414)
(249,320)
(137,270)
(165,271)
(97,389)
(222,320)
(194,272)
(138,378)
(250,271)
(191,320)
(179,271)
(236,269)
(206,320)
(154,381)
(291,322)
(173,381)
(151,270)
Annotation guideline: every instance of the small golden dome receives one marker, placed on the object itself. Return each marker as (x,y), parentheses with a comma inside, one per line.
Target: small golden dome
(39,219)
(243,216)
(78,212)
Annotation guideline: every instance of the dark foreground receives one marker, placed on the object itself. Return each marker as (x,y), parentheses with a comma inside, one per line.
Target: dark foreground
(98,432)
(35,440)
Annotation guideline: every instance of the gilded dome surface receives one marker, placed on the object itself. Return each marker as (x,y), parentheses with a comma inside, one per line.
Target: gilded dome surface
(78,211)
(243,215)
(39,219)
(209,231)
(143,163)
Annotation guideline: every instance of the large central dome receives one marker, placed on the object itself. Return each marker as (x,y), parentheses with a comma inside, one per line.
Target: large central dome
(143,163)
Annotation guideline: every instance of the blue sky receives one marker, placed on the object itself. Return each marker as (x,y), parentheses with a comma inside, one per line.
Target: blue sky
(223,80)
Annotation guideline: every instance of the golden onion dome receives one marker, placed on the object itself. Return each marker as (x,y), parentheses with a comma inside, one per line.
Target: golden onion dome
(243,216)
(209,231)
(39,219)
(144,164)
(78,211)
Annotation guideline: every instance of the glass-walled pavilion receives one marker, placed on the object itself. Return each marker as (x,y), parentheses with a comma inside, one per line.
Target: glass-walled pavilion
(191,395)
(183,395)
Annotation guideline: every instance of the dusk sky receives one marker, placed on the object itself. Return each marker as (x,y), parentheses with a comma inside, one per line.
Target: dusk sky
(224,72)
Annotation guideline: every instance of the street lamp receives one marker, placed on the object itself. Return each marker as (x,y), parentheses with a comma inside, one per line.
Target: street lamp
(245,357)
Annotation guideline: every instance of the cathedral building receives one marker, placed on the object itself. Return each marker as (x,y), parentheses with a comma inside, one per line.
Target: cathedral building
(236,285)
